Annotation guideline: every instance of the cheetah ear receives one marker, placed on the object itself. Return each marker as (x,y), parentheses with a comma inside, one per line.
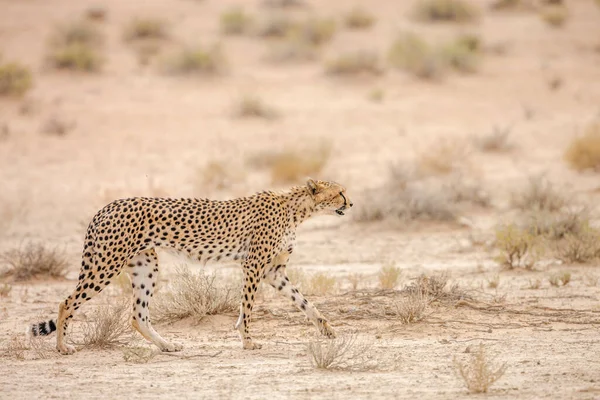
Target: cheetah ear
(313,187)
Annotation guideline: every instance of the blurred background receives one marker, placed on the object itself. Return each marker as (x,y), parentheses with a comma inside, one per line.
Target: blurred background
(433,113)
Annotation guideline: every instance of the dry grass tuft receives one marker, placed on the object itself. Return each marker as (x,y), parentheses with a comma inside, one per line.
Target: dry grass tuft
(139,354)
(584,151)
(33,260)
(494,282)
(358,62)
(5,289)
(194,295)
(494,141)
(411,308)
(539,195)
(250,106)
(389,276)
(196,61)
(534,284)
(359,18)
(293,165)
(320,284)
(436,288)
(355,279)
(580,246)
(277,26)
(518,247)
(560,278)
(446,11)
(442,158)
(479,373)
(555,15)
(345,353)
(235,22)
(15,79)
(462,54)
(109,327)
(16,348)
(412,54)
(76,47)
(317,31)
(146,29)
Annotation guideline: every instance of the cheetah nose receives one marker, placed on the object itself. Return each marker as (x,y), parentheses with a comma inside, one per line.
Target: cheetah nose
(351,204)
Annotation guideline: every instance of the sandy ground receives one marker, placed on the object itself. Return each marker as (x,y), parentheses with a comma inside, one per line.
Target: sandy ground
(138,132)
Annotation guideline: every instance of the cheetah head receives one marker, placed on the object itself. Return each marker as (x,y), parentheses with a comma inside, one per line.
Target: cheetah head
(330,197)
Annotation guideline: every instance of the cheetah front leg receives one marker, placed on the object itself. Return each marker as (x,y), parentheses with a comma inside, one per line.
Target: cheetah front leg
(279,280)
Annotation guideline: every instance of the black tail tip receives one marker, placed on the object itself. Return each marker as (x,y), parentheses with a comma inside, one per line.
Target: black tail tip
(43,328)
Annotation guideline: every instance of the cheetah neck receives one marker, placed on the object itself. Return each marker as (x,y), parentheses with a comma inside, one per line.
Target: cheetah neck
(299,203)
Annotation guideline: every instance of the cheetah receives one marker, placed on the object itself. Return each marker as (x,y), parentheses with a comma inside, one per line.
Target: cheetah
(259,231)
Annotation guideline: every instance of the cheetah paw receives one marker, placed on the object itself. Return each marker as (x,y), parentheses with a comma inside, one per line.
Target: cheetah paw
(65,349)
(171,347)
(327,331)
(248,345)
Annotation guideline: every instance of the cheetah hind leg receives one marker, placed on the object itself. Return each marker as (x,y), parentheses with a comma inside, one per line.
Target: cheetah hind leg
(143,273)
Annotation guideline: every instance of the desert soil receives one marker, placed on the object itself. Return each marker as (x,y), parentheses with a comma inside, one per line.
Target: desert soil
(136,131)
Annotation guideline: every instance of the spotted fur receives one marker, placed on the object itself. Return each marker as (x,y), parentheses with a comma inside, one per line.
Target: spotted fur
(259,231)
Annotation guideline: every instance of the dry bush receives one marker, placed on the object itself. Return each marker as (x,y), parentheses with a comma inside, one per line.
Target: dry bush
(235,22)
(412,54)
(590,280)
(345,352)
(539,195)
(557,225)
(554,16)
(16,348)
(139,354)
(442,158)
(108,327)
(320,284)
(196,61)
(15,79)
(581,246)
(560,278)
(355,279)
(494,282)
(518,247)
(534,284)
(446,11)
(480,372)
(76,46)
(194,295)
(494,141)
(584,151)
(277,26)
(217,175)
(33,260)
(250,106)
(146,29)
(389,276)
(317,31)
(359,18)
(360,62)
(292,49)
(436,288)
(5,289)
(462,54)
(294,165)
(411,307)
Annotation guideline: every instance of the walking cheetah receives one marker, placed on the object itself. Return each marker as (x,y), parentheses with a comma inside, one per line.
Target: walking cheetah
(258,230)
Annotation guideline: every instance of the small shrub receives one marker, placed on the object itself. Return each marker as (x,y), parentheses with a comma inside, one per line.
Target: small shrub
(556,226)
(554,16)
(77,33)
(344,352)
(359,18)
(355,279)
(494,282)
(277,26)
(584,151)
(539,195)
(253,107)
(494,141)
(193,295)
(293,165)
(462,54)
(389,276)
(5,289)
(446,11)
(235,22)
(358,62)
(580,247)
(508,4)
(435,288)
(77,57)
(146,29)
(317,31)
(411,308)
(15,79)
(197,61)
(560,279)
(414,55)
(534,284)
(109,327)
(138,354)
(16,348)
(321,284)
(33,260)
(284,3)
(442,158)
(517,247)
(479,373)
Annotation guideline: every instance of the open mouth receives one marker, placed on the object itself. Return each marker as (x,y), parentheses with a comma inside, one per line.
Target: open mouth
(339,211)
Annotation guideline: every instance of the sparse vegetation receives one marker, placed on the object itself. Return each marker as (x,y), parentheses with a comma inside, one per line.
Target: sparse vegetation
(584,151)
(15,79)
(580,246)
(235,22)
(355,63)
(317,31)
(344,352)
(76,46)
(479,373)
(446,11)
(321,284)
(494,141)
(442,158)
(292,165)
(539,195)
(462,54)
(109,327)
(560,278)
(138,354)
(535,284)
(389,276)
(33,260)
(146,29)
(277,26)
(250,106)
(5,289)
(355,279)
(411,307)
(197,61)
(412,54)
(376,95)
(554,15)
(193,295)
(494,282)
(435,288)
(359,18)
(518,247)
(292,49)
(96,13)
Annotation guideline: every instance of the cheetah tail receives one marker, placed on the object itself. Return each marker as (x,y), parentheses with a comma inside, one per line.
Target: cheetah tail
(43,328)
